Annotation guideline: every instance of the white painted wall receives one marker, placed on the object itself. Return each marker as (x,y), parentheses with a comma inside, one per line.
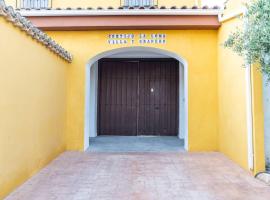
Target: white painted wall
(249,118)
(266,92)
(93,98)
(181,103)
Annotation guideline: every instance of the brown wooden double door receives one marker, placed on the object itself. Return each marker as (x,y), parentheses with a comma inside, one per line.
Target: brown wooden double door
(138,97)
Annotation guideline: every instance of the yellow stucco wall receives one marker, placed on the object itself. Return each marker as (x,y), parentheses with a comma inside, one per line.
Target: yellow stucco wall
(178,3)
(232,100)
(86,3)
(234,6)
(233,133)
(107,3)
(116,3)
(191,45)
(32,104)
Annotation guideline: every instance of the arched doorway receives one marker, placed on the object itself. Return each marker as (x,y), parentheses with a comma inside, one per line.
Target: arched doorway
(92,74)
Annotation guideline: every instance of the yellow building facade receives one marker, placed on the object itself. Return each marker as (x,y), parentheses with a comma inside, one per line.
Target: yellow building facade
(106,3)
(219,103)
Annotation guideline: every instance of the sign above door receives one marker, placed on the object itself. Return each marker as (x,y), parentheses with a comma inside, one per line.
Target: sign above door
(142,38)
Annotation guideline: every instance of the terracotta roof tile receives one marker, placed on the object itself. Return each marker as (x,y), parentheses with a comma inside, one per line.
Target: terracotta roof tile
(216,7)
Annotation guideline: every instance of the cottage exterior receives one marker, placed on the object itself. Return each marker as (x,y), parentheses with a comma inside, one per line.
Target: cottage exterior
(124,65)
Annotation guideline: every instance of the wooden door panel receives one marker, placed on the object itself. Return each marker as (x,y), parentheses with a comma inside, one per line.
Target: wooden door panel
(138,97)
(158,98)
(117,98)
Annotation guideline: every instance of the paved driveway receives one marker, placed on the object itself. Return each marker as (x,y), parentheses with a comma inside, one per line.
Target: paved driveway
(142,176)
